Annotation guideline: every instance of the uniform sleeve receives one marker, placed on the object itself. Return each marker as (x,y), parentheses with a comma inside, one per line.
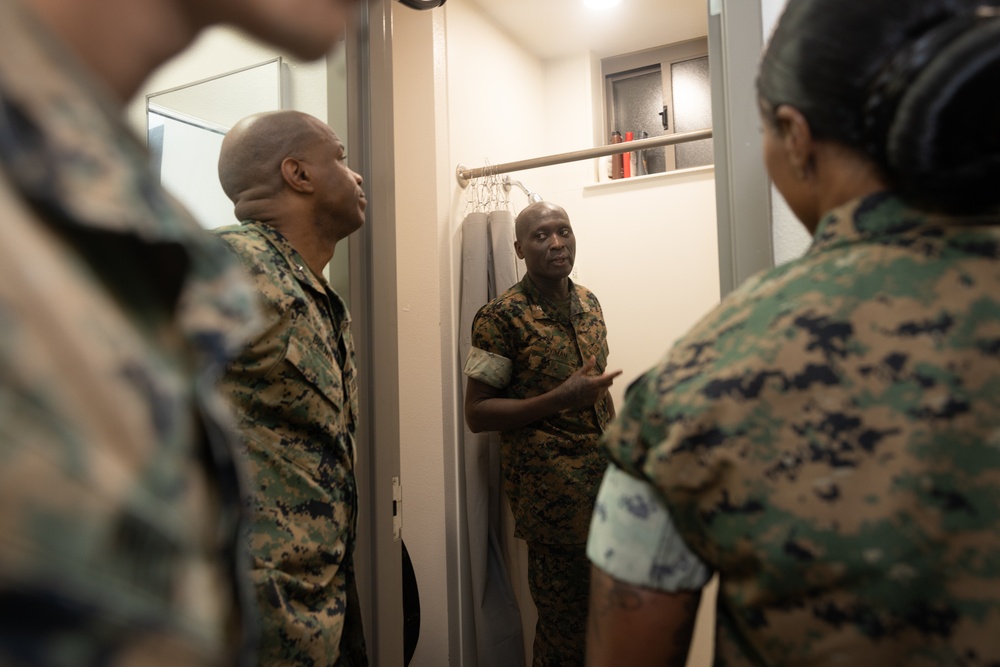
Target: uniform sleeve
(633,539)
(489,359)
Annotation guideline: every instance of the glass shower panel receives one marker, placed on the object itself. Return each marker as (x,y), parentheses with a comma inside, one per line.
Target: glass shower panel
(692,93)
(185,127)
(638,102)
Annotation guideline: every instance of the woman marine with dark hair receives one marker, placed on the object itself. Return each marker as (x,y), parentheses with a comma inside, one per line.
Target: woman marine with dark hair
(827,440)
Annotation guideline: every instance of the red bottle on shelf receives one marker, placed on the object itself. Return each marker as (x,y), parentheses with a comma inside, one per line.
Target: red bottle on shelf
(627,159)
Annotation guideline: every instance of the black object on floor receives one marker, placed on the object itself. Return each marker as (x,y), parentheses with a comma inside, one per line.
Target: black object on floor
(411,609)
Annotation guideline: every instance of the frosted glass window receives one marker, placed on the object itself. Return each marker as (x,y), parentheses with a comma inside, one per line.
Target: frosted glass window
(638,102)
(660,92)
(692,93)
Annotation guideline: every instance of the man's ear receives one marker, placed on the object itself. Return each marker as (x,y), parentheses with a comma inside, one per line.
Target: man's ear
(517,249)
(296,175)
(797,139)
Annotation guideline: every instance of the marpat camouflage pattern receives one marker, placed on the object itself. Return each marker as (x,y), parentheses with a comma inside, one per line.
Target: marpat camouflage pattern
(828,439)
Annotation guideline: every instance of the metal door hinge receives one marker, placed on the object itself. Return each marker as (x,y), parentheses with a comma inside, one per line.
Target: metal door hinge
(397,509)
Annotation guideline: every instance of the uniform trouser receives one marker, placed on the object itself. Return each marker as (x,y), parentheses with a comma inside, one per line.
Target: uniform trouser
(559,578)
(281,648)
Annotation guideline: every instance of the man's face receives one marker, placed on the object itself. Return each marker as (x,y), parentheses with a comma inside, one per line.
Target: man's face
(340,199)
(548,247)
(306,28)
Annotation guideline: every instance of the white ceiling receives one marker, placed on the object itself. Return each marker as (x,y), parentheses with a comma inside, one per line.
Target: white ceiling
(558,28)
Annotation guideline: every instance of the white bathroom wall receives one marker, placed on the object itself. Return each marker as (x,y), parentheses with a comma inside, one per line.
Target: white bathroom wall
(427,407)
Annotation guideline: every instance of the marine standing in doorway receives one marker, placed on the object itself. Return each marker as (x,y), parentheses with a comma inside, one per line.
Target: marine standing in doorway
(536,373)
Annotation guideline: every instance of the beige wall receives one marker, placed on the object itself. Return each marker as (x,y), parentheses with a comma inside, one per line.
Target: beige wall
(497,113)
(426,401)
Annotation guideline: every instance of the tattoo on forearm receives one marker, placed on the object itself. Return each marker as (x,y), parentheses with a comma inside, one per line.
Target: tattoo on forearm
(616,597)
(621,614)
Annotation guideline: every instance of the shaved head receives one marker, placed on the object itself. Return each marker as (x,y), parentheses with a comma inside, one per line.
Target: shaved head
(533,213)
(289,170)
(252,153)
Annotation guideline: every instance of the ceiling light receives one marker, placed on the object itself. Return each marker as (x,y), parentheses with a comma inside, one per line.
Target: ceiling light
(601,4)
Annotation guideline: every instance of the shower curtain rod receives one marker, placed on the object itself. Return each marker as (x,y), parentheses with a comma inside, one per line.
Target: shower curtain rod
(465,175)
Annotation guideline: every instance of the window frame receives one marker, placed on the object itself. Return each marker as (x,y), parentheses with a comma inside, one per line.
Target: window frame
(622,66)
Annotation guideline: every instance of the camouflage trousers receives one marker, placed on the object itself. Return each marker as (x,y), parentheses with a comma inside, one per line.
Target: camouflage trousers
(298,630)
(559,578)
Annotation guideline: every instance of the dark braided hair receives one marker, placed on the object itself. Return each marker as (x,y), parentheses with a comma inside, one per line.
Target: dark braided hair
(912,84)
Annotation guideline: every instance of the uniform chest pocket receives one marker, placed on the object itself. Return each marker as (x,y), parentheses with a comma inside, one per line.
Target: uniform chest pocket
(304,395)
(313,359)
(552,367)
(560,368)
(600,352)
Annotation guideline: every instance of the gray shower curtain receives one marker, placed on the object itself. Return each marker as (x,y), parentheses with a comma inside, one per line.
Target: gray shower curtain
(489,267)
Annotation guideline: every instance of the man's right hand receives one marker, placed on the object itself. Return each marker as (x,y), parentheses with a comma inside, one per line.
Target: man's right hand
(582,389)
(487,410)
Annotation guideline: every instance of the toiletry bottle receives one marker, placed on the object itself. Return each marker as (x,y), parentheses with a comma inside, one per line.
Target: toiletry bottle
(627,159)
(641,164)
(628,162)
(617,170)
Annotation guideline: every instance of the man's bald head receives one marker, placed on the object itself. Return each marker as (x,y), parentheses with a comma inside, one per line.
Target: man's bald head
(533,213)
(252,152)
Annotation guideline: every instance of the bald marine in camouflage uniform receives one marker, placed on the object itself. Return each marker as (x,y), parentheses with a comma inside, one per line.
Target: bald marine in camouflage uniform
(536,373)
(294,387)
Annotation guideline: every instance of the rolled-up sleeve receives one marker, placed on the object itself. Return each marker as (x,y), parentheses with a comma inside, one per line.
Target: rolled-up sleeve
(633,538)
(489,368)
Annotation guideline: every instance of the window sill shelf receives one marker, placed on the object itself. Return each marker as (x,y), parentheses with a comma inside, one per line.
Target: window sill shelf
(648,178)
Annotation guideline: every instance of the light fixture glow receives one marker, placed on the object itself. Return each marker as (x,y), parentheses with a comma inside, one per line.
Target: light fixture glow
(601,4)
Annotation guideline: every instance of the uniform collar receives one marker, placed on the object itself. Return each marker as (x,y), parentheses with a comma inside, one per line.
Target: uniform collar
(538,302)
(295,261)
(878,216)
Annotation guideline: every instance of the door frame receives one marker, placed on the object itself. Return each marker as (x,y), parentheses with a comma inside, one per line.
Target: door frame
(742,188)
(378,554)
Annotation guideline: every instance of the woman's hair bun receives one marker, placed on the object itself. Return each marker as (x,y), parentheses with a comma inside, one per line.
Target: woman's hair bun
(942,146)
(914,85)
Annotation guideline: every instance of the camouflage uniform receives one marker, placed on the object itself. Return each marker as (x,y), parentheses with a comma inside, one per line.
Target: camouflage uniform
(295,393)
(522,344)
(828,439)
(118,494)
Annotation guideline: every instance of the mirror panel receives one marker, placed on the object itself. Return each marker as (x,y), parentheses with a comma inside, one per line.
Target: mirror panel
(185,127)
